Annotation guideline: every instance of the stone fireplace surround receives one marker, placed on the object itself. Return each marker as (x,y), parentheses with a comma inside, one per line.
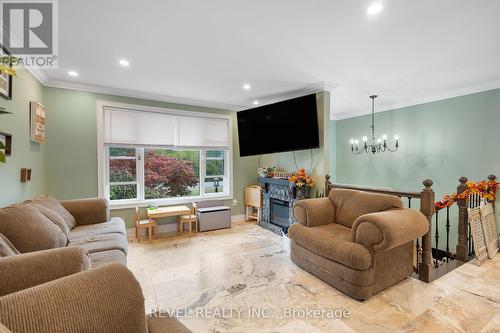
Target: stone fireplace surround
(280,189)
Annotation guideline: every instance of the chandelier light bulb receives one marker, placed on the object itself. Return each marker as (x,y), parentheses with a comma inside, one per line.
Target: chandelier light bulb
(352,141)
(396,137)
(379,140)
(365,139)
(384,137)
(356,142)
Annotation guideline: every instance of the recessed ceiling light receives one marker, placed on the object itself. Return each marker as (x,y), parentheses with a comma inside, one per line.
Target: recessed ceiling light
(124,62)
(247,86)
(73,73)
(255,102)
(374,9)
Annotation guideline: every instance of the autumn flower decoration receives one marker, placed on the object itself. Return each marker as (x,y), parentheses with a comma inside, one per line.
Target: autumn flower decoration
(486,190)
(301,179)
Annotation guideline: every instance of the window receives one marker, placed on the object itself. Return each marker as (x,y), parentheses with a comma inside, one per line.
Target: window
(122,173)
(163,157)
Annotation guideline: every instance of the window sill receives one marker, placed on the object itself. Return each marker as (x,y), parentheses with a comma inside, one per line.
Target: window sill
(167,202)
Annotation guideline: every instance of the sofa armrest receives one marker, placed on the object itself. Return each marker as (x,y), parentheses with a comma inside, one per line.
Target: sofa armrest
(30,269)
(88,211)
(314,212)
(383,231)
(106,300)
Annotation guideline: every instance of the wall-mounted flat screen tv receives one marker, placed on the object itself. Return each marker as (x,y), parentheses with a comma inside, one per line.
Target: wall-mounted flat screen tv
(284,126)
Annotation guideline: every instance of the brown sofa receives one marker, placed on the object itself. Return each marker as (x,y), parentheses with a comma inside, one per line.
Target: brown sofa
(358,242)
(45,223)
(55,291)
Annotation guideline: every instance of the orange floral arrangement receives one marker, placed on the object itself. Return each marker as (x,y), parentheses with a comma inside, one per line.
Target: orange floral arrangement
(302,179)
(486,189)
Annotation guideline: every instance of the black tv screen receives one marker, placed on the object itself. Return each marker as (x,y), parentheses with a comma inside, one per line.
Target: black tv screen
(279,127)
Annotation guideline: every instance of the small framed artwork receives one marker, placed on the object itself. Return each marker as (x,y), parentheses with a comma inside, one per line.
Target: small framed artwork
(6,140)
(37,124)
(5,79)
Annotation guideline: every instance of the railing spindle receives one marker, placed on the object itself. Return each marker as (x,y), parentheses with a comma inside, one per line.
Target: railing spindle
(436,237)
(447,234)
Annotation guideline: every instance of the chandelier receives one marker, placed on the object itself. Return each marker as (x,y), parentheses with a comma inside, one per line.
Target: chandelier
(380,145)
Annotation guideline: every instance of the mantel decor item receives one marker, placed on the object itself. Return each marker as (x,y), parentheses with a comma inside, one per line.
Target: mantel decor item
(380,145)
(6,73)
(37,125)
(303,183)
(5,146)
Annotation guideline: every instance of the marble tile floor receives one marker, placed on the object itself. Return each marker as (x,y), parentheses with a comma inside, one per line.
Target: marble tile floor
(242,280)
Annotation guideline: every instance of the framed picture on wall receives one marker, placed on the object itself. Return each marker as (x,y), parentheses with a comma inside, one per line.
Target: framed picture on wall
(37,124)
(5,79)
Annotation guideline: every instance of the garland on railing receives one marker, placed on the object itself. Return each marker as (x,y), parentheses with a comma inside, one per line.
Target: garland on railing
(486,189)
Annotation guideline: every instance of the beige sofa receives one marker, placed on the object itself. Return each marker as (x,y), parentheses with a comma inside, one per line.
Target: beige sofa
(358,242)
(47,250)
(45,223)
(55,291)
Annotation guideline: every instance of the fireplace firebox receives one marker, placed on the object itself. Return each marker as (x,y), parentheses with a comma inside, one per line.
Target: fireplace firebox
(280,213)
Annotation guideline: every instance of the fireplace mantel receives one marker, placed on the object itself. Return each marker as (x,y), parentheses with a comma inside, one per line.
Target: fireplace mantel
(280,189)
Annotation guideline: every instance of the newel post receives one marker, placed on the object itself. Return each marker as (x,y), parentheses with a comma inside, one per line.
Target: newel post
(492,178)
(462,221)
(327,186)
(427,208)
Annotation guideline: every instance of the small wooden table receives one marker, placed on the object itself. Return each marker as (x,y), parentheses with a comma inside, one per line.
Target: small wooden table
(170,211)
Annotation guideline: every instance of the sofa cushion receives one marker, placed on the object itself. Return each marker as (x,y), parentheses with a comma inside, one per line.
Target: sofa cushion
(29,230)
(53,204)
(104,242)
(53,216)
(116,225)
(6,247)
(351,204)
(98,259)
(332,241)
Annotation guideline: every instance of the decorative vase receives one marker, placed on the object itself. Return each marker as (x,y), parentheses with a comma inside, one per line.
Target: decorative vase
(302,192)
(263,173)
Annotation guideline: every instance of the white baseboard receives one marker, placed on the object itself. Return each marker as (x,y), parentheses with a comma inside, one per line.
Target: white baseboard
(237,218)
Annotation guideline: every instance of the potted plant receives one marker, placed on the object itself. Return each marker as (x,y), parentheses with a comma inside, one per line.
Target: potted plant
(303,183)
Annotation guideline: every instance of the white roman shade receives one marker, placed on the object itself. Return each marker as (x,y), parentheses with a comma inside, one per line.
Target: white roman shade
(203,132)
(148,128)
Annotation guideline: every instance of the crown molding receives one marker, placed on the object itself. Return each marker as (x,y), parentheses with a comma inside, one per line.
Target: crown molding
(37,74)
(311,89)
(417,101)
(140,94)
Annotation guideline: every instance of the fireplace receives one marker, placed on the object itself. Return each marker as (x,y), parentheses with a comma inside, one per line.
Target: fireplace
(280,214)
(278,198)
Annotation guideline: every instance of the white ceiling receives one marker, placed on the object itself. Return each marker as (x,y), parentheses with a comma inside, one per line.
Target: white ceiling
(204,51)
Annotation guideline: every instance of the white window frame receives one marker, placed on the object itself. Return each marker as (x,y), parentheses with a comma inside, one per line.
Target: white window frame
(103,161)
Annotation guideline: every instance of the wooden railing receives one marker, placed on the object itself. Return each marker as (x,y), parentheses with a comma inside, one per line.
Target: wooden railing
(433,262)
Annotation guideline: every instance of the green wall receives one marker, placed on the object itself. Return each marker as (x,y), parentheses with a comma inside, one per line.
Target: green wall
(72,147)
(320,161)
(442,140)
(25,154)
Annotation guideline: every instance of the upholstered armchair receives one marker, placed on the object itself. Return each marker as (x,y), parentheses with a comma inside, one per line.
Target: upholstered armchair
(358,242)
(55,291)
